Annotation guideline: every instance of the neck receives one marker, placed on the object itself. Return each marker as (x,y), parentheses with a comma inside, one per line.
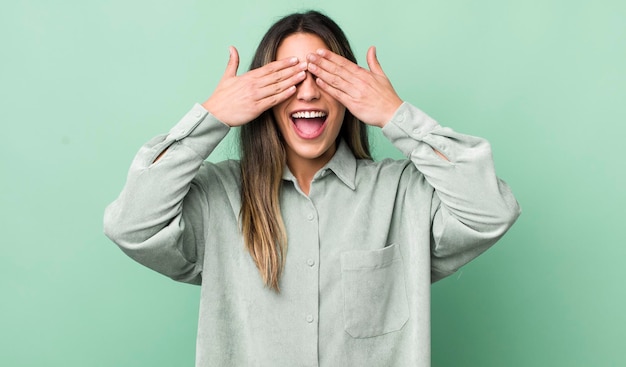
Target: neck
(304,169)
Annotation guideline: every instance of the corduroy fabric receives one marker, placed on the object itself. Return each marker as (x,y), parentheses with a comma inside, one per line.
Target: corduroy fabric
(363,246)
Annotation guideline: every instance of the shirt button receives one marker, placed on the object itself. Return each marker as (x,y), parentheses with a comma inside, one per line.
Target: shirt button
(416,131)
(400,117)
(310,262)
(309,318)
(310,217)
(197,114)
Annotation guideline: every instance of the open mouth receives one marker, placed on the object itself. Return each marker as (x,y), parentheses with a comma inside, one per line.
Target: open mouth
(309,124)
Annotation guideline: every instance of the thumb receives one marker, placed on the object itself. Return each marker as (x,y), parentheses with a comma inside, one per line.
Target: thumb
(233,63)
(372,61)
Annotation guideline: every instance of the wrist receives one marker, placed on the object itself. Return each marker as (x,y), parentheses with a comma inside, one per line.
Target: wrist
(390,113)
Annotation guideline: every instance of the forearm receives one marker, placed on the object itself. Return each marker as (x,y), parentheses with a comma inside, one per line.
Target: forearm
(475,208)
(146,219)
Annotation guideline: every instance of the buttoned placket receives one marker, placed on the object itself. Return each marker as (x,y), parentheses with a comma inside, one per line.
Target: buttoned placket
(312,255)
(307,239)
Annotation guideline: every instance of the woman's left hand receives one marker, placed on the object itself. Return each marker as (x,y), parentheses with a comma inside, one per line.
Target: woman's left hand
(367,94)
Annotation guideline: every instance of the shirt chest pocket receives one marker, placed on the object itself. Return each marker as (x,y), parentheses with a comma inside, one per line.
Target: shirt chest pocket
(375,300)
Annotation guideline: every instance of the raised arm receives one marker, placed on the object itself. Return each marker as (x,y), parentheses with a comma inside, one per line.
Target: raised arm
(472,208)
(154,220)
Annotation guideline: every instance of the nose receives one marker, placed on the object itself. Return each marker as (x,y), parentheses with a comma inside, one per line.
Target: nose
(308,90)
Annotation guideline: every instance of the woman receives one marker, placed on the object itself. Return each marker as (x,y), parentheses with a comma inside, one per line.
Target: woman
(307,251)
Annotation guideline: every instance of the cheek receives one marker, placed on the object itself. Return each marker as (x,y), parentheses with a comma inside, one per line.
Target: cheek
(279,114)
(280,120)
(341,113)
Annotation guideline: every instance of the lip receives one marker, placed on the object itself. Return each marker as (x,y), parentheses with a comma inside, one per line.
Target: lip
(313,134)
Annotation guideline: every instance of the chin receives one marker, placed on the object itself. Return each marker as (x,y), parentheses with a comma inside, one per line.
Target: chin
(311,151)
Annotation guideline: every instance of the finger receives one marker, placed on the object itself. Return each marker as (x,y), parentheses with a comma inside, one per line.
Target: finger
(278,87)
(372,61)
(335,65)
(233,63)
(267,85)
(282,74)
(274,99)
(338,94)
(330,60)
(333,57)
(274,67)
(331,79)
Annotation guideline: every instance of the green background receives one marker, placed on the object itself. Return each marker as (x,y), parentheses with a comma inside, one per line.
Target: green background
(85,83)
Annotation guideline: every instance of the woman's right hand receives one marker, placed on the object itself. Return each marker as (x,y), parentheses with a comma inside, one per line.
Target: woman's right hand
(238,100)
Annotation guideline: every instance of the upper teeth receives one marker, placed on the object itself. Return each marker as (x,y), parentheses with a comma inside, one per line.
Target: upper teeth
(308,114)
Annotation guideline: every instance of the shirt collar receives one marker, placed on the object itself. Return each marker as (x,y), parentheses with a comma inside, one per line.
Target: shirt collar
(342,164)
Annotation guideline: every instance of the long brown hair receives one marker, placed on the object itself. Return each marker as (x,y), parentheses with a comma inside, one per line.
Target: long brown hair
(263,153)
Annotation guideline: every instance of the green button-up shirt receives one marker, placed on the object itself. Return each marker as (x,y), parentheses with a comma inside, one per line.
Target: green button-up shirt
(363,246)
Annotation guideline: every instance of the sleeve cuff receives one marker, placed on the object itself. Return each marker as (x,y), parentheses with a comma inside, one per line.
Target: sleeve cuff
(409,126)
(190,122)
(197,129)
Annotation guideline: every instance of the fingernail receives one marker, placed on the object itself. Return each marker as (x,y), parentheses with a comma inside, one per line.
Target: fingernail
(320,52)
(312,67)
(311,57)
(294,60)
(303,65)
